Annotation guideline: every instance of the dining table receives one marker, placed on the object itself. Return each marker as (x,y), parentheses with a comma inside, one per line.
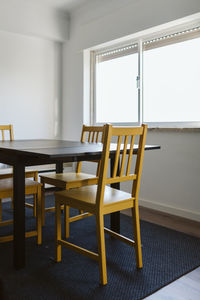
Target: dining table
(23,153)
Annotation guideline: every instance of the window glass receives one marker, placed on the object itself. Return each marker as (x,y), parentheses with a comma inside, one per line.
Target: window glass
(171,83)
(116,90)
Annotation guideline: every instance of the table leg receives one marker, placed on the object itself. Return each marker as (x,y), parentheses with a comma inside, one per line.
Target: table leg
(19,216)
(114,217)
(59,167)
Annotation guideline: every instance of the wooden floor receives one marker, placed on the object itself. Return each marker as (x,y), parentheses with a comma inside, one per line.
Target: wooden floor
(177,223)
(185,288)
(188,286)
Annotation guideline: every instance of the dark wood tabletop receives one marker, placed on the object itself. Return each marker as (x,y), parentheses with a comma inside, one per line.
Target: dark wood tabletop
(22,153)
(53,149)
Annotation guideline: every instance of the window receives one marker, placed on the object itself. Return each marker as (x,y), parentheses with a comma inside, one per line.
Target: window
(168,90)
(171,82)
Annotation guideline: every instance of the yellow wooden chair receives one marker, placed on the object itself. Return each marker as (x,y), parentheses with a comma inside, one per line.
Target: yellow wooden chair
(101,199)
(8,172)
(66,181)
(32,187)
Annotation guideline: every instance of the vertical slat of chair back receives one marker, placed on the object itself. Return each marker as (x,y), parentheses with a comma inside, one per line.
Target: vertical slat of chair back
(91,134)
(9,128)
(125,144)
(124,156)
(104,165)
(130,155)
(117,157)
(3,136)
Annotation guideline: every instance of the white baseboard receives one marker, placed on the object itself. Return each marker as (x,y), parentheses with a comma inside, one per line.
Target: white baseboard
(188,214)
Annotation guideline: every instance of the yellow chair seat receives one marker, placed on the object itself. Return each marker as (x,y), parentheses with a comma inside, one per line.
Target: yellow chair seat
(31,187)
(62,180)
(6,185)
(85,198)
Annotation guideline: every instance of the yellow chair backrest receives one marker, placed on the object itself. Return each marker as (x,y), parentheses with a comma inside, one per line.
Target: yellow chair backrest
(8,128)
(122,170)
(91,134)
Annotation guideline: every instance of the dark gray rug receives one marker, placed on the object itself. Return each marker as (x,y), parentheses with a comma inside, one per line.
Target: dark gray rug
(167,255)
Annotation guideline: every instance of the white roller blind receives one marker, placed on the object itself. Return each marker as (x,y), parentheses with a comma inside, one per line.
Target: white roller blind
(172,38)
(116,52)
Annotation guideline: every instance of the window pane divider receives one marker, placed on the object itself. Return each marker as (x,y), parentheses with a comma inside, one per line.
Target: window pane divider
(140,89)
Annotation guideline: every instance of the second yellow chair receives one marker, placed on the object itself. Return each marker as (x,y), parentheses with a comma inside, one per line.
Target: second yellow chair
(66,181)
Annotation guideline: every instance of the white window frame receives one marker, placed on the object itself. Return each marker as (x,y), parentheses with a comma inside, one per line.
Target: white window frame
(186,32)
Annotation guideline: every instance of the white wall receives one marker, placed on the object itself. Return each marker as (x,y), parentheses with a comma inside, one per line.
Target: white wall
(31,67)
(32,19)
(170,180)
(29,85)
(170,177)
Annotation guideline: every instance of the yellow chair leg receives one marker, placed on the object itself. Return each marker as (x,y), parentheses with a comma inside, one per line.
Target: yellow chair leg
(66,221)
(101,249)
(136,225)
(35,206)
(39,217)
(0,210)
(43,204)
(57,231)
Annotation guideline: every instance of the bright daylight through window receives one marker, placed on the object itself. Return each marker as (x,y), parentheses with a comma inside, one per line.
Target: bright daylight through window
(171,83)
(170,76)
(116,91)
